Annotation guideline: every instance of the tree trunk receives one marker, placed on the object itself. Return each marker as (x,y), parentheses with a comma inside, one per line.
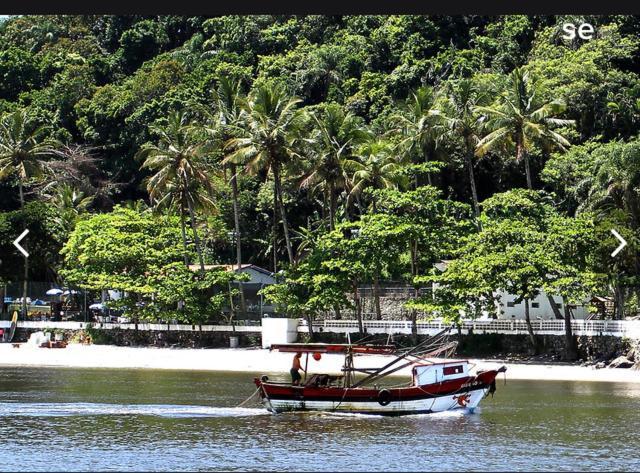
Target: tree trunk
(274,229)
(358,309)
(554,307)
(183,228)
(426,160)
(332,207)
(528,171)
(414,326)
(26,259)
(619,302)
(472,181)
(192,215)
(283,214)
(336,309)
(196,238)
(571,350)
(532,337)
(232,310)
(236,221)
(312,335)
(521,154)
(376,291)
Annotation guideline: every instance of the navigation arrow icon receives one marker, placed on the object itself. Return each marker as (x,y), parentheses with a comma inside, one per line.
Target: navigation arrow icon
(17,241)
(623,243)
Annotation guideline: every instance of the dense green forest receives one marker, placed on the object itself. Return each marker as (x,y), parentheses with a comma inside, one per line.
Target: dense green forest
(342,150)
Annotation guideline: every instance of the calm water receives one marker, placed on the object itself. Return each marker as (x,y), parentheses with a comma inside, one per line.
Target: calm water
(70,419)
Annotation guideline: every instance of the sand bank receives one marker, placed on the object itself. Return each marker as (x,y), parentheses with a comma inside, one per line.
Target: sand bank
(263,361)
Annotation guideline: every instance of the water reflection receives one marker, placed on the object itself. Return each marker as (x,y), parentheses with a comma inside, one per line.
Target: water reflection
(171,420)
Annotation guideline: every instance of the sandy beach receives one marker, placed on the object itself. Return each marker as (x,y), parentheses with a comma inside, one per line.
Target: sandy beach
(263,361)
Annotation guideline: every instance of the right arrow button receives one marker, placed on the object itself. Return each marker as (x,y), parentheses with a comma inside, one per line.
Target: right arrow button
(623,243)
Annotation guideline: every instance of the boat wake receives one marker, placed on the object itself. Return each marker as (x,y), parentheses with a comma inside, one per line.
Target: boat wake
(13,409)
(454,414)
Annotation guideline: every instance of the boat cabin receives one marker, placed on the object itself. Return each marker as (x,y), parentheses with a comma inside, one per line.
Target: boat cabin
(436,373)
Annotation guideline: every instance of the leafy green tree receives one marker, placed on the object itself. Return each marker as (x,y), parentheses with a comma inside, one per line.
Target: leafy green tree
(524,246)
(519,120)
(602,178)
(275,124)
(140,254)
(141,42)
(23,148)
(18,72)
(182,176)
(46,238)
(437,228)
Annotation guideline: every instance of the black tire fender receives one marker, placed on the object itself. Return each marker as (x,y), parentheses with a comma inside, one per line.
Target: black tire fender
(384,397)
(264,378)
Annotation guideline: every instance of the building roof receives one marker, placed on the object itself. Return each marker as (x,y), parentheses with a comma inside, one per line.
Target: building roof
(442,265)
(231,267)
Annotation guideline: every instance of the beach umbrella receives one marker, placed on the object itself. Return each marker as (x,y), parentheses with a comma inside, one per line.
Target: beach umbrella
(97,306)
(67,292)
(54,292)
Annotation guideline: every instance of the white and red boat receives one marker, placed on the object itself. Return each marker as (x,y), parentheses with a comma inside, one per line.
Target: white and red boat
(435,385)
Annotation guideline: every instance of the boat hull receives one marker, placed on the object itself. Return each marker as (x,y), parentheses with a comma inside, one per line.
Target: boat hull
(464,393)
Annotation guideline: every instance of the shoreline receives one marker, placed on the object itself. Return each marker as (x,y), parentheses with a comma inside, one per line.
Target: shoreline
(257,360)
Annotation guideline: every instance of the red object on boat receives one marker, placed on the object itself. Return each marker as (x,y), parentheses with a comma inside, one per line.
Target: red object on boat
(317,356)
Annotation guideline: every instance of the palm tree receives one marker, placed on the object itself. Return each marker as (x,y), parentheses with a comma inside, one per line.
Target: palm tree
(23,147)
(336,135)
(377,167)
(613,184)
(274,125)
(228,102)
(421,125)
(227,122)
(519,120)
(459,113)
(182,176)
(70,203)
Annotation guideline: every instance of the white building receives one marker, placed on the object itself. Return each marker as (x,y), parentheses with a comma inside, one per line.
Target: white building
(539,307)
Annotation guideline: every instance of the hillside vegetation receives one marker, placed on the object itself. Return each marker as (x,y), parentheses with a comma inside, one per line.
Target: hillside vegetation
(344,150)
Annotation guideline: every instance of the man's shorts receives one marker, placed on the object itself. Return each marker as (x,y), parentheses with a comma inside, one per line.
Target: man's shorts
(295,375)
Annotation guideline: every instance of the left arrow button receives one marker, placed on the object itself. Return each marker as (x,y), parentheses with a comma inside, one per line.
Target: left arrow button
(17,241)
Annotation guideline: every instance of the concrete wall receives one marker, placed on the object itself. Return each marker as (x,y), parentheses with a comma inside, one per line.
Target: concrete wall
(278,330)
(392,308)
(155,338)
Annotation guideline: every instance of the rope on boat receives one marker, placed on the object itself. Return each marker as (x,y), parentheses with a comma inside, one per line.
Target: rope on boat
(341,400)
(250,397)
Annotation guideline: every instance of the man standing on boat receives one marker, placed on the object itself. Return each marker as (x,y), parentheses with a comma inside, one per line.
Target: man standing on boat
(295,373)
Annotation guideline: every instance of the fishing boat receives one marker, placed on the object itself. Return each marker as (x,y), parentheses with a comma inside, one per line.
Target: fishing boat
(435,385)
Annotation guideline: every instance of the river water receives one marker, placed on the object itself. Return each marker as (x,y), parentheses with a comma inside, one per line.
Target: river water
(100,419)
